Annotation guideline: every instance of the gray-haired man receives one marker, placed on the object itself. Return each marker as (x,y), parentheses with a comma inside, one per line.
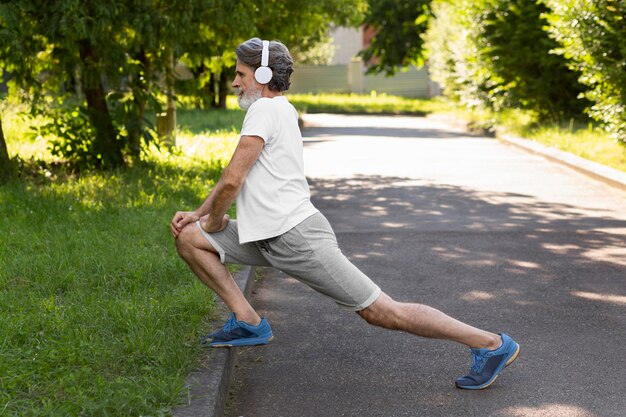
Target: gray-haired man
(278,226)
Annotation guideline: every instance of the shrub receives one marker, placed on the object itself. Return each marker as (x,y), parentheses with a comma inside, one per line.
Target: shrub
(495,53)
(593,39)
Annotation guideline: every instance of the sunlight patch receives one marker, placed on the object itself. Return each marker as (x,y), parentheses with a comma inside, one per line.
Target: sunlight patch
(614,254)
(560,248)
(477,296)
(547,410)
(394,225)
(525,264)
(609,298)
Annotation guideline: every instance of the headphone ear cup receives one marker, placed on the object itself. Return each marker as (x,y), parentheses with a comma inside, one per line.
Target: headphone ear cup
(263,75)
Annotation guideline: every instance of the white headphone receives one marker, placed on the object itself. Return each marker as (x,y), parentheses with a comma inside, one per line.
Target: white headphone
(263,74)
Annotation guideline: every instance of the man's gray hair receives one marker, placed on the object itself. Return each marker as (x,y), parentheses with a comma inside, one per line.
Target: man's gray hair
(280,61)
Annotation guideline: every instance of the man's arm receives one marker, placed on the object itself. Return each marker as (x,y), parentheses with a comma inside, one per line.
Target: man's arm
(226,190)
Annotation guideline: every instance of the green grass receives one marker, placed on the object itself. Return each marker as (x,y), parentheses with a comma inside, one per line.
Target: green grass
(365,104)
(586,140)
(593,144)
(99,315)
(213,121)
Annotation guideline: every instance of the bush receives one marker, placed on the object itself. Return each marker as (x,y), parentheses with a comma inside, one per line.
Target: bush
(495,53)
(73,135)
(593,39)
(451,53)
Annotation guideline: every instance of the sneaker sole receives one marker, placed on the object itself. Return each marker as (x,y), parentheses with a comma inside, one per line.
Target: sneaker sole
(493,379)
(256,341)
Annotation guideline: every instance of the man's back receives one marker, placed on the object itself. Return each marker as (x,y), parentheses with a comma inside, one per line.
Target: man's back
(275,196)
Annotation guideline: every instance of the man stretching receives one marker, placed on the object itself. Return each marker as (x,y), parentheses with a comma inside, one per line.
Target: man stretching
(278,226)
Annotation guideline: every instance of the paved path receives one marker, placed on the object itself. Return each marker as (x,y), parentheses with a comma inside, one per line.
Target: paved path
(489,234)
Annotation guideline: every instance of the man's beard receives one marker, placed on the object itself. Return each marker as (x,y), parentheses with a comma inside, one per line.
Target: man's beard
(246,99)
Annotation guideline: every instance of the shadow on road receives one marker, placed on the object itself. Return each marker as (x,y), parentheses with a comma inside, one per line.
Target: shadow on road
(559,233)
(395,132)
(552,275)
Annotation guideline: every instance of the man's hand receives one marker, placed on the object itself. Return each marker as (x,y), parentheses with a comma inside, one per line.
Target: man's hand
(212,226)
(182,219)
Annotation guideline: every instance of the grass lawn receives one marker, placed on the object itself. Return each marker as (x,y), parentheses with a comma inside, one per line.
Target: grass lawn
(365,104)
(99,315)
(590,143)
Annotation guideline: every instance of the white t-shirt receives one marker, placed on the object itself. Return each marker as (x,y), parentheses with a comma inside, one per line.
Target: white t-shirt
(275,196)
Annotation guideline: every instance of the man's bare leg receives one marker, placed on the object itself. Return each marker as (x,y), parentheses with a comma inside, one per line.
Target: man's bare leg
(205,263)
(425,321)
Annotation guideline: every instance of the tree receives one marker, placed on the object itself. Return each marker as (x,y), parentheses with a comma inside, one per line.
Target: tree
(592,35)
(451,53)
(399,25)
(66,37)
(22,57)
(96,67)
(6,165)
(301,26)
(495,53)
(515,51)
(117,52)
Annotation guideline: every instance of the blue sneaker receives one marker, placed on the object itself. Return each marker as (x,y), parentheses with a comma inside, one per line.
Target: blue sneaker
(239,333)
(487,364)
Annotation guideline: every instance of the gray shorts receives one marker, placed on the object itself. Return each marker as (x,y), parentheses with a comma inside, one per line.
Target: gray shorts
(309,252)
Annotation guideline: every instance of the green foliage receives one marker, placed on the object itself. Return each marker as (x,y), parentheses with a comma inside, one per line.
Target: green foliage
(593,39)
(399,25)
(71,133)
(72,49)
(301,26)
(495,53)
(73,137)
(516,51)
(115,56)
(450,52)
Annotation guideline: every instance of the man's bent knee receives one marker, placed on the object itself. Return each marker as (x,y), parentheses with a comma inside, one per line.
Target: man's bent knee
(183,243)
(191,239)
(381,313)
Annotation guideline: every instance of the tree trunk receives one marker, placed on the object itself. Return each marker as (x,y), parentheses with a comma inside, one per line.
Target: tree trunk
(106,145)
(223,88)
(166,122)
(141,90)
(210,91)
(7,171)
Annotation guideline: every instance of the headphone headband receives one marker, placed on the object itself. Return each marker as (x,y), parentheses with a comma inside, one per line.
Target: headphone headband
(265,54)
(263,74)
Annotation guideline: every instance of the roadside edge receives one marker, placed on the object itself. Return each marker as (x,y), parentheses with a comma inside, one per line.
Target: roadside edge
(607,175)
(207,385)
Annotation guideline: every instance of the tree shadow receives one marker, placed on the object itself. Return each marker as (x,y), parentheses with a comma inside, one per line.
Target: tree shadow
(395,132)
(552,275)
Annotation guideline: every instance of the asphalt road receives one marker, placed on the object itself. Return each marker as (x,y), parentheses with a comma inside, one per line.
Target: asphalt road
(496,237)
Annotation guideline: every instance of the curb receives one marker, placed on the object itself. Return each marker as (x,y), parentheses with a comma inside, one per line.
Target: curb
(207,385)
(607,175)
(599,172)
